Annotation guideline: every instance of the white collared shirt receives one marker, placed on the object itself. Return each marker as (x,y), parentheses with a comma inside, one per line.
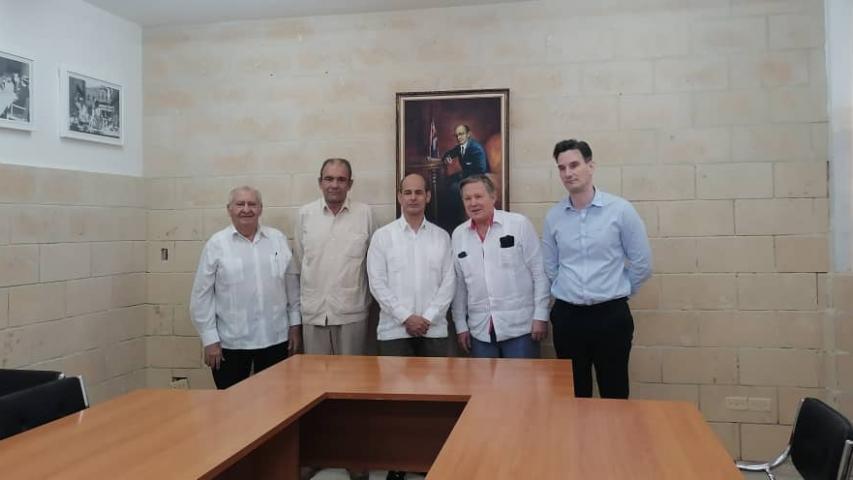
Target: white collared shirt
(411,273)
(329,260)
(241,296)
(501,278)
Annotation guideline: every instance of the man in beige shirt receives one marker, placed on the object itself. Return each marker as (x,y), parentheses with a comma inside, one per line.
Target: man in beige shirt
(330,248)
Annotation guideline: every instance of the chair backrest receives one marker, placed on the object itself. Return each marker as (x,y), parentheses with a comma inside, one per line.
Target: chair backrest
(14,380)
(819,439)
(26,409)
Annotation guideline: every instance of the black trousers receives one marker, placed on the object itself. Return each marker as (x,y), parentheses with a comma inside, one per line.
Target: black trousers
(414,347)
(236,365)
(595,336)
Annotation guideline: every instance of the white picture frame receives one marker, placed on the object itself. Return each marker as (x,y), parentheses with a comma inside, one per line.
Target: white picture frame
(91,109)
(16,91)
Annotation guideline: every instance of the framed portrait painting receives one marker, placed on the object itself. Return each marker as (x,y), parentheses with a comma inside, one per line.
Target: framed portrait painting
(91,109)
(448,136)
(16,90)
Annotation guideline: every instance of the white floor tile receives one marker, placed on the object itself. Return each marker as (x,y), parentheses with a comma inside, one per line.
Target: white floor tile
(341,474)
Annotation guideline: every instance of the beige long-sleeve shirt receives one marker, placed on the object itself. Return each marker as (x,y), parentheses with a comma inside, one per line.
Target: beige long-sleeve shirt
(329,259)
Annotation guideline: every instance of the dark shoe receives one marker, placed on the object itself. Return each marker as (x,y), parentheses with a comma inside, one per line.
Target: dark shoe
(392,475)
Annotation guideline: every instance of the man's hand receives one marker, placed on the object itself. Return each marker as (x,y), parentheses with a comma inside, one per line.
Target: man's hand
(464,340)
(294,339)
(213,355)
(416,325)
(539,331)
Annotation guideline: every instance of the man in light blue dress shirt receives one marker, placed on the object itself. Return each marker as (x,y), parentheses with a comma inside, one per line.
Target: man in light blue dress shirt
(596,254)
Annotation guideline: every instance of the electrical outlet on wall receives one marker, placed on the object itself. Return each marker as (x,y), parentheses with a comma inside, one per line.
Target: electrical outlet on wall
(179,383)
(737,403)
(759,404)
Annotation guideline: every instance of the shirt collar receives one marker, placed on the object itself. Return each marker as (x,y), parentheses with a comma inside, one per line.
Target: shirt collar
(404,225)
(598,200)
(497,217)
(262,231)
(325,207)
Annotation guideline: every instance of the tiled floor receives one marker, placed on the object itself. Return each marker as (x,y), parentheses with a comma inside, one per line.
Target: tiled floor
(785,472)
(340,474)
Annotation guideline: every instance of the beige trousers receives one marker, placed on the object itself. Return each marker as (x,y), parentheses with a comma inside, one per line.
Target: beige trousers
(348,339)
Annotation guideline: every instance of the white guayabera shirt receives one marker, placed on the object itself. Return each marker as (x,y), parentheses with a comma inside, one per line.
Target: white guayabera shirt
(500,278)
(411,274)
(241,295)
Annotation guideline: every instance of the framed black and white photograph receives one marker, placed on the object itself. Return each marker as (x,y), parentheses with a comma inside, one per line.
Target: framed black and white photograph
(92,108)
(447,136)
(16,92)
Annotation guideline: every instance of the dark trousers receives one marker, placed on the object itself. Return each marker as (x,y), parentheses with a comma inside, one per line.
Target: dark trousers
(414,347)
(236,365)
(595,336)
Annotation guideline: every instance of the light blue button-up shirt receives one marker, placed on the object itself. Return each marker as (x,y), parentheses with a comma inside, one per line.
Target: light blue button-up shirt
(597,253)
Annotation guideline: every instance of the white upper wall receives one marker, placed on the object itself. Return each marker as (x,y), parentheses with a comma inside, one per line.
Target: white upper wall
(839,51)
(82,37)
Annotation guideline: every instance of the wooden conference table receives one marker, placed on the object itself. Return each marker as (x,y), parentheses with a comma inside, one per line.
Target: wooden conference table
(458,418)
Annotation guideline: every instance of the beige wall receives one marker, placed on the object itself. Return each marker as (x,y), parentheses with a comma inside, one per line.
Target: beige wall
(710,115)
(839,341)
(72,276)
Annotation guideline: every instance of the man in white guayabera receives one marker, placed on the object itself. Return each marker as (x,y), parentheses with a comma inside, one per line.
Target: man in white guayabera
(244,305)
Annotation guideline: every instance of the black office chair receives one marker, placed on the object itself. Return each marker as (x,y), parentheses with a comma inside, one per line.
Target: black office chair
(820,447)
(13,380)
(29,408)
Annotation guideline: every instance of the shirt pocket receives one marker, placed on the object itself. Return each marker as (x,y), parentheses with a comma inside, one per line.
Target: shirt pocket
(279,319)
(230,271)
(234,326)
(434,267)
(312,246)
(467,267)
(434,258)
(277,265)
(396,263)
(347,300)
(356,246)
(510,256)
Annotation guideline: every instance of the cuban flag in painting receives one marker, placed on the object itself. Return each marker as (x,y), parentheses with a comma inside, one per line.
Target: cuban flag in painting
(433,140)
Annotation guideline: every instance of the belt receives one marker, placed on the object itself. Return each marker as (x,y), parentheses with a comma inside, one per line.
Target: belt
(594,305)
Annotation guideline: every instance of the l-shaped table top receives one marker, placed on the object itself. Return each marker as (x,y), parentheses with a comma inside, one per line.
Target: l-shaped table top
(521,420)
